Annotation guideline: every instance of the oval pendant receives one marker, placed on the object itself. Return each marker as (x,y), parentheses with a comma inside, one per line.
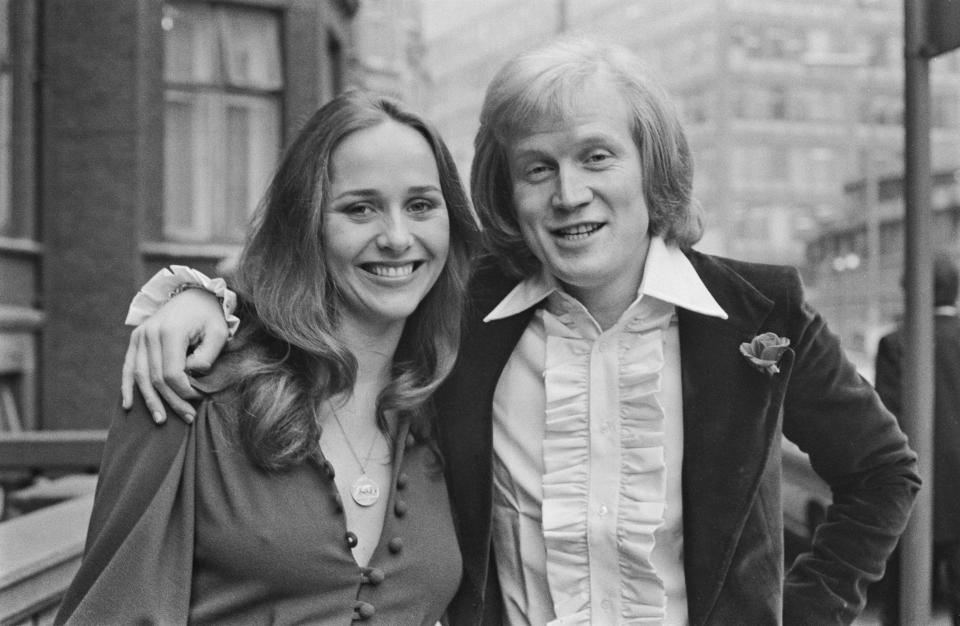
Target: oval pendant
(365,492)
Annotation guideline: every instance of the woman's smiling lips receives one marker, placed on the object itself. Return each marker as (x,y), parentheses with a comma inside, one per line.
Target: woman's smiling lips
(577,232)
(391,270)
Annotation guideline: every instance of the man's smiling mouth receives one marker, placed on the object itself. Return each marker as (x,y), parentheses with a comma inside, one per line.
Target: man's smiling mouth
(577,231)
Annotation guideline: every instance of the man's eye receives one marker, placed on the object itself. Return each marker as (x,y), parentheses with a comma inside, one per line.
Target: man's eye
(536,172)
(598,157)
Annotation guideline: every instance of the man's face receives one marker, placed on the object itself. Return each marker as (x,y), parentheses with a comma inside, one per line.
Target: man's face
(578,194)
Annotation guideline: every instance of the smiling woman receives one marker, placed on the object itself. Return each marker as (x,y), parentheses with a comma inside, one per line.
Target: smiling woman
(309,488)
(385,227)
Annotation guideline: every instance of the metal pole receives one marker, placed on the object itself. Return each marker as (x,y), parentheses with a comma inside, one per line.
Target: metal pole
(917,383)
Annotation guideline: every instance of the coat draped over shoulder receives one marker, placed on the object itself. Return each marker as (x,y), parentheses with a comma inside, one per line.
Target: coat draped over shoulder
(185,529)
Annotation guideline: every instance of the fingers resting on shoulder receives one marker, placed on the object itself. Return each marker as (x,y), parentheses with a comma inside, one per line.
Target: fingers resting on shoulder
(157,361)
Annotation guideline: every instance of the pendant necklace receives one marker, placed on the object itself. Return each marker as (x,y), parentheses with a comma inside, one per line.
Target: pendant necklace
(364,490)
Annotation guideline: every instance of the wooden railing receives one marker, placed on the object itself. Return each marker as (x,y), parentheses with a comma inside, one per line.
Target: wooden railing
(40,551)
(39,555)
(52,450)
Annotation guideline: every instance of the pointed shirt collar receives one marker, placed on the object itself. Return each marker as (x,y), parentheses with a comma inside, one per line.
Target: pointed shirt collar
(668,275)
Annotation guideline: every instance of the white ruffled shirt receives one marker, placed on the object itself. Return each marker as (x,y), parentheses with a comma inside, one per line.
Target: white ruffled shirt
(588,445)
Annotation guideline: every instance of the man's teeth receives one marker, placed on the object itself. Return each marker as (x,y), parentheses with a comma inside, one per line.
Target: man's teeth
(390,271)
(580,231)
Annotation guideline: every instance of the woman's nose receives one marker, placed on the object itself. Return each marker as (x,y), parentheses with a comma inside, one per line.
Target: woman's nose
(395,234)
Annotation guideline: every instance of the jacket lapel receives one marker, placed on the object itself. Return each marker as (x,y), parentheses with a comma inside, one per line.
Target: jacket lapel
(727,433)
(464,405)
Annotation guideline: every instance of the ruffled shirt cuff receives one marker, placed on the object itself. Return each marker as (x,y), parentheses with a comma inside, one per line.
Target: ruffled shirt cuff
(167,283)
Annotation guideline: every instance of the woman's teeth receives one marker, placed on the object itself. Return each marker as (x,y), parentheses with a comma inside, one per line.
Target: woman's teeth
(390,271)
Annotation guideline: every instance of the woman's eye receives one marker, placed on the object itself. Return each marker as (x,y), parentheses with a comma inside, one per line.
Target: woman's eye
(420,206)
(358,210)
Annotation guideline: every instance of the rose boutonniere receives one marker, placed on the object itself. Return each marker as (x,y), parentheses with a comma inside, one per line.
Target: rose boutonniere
(764,351)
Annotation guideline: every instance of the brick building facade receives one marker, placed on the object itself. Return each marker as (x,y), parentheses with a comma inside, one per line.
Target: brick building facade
(130,132)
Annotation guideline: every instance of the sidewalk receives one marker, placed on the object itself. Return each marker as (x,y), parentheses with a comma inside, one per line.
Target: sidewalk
(870,617)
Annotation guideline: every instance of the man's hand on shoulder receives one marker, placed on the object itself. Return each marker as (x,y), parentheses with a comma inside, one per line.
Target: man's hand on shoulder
(157,359)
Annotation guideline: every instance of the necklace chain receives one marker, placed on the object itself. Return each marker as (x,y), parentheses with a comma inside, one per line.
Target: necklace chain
(364,490)
(363,464)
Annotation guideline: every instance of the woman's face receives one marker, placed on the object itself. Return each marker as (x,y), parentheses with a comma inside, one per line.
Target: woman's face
(386,231)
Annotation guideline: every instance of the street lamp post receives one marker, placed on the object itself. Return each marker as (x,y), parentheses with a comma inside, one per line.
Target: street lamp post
(916,555)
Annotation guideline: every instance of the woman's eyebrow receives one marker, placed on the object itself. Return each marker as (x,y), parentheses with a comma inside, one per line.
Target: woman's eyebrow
(424,189)
(361,193)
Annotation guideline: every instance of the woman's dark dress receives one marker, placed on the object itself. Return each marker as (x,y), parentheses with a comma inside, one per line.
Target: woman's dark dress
(185,529)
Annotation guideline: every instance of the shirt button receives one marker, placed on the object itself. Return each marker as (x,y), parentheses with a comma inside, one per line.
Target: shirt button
(402,480)
(606,605)
(603,510)
(603,346)
(604,426)
(400,508)
(395,545)
(351,539)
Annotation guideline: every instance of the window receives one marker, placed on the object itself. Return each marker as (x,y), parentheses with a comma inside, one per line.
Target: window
(7,226)
(17,381)
(881,108)
(944,110)
(224,83)
(10,420)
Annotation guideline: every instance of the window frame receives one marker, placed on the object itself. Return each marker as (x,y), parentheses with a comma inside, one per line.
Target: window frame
(208,226)
(20,249)
(22,23)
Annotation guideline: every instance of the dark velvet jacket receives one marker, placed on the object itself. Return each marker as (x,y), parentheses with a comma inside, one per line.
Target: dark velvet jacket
(734,416)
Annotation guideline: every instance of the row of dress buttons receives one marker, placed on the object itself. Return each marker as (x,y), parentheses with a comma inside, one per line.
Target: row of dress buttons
(372,575)
(400,508)
(395,545)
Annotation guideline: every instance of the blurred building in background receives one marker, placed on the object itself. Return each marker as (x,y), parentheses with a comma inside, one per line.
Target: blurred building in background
(785,101)
(389,50)
(136,135)
(851,276)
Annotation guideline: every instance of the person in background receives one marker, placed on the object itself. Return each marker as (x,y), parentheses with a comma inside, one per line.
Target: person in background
(615,414)
(946,425)
(309,489)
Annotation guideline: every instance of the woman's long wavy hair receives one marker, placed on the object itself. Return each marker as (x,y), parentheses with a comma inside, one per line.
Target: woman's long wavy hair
(294,359)
(538,87)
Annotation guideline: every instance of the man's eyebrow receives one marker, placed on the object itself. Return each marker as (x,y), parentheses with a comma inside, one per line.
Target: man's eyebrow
(527,153)
(605,138)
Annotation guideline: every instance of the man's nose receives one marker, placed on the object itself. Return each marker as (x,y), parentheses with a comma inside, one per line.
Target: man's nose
(395,233)
(572,190)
